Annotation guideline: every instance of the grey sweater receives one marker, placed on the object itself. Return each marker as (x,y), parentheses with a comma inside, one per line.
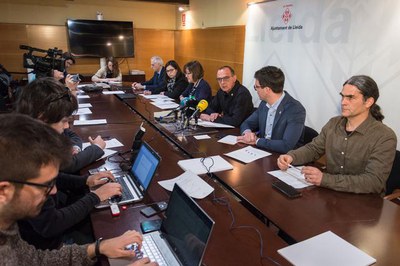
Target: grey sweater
(15,251)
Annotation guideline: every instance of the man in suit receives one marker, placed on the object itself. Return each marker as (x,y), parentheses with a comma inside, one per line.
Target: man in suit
(279,119)
(157,82)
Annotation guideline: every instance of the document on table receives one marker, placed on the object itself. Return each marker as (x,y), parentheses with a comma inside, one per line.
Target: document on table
(82,111)
(212,124)
(83,97)
(112,143)
(326,249)
(113,92)
(161,114)
(107,153)
(201,165)
(165,105)
(155,96)
(248,154)
(84,105)
(292,176)
(90,122)
(229,139)
(191,183)
(200,137)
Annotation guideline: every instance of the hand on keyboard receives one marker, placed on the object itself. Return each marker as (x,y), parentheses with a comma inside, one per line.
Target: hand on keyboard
(108,190)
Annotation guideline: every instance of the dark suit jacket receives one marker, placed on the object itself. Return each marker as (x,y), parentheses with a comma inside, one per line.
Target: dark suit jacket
(287,131)
(157,82)
(201,92)
(235,106)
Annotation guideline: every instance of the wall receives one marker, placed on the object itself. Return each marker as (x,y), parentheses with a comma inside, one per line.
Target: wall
(56,12)
(214,13)
(213,48)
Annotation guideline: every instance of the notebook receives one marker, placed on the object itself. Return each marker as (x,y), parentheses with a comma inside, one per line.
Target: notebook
(136,181)
(183,237)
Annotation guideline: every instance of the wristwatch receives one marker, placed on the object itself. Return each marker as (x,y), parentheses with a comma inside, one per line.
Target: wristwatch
(97,247)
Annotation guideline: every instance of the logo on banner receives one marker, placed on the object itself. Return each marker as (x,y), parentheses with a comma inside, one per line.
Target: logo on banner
(287,14)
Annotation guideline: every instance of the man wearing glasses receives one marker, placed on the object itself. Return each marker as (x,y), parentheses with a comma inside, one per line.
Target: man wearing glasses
(159,80)
(359,148)
(279,119)
(30,156)
(232,104)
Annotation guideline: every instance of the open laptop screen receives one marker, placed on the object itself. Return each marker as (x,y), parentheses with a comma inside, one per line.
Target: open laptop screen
(145,165)
(187,227)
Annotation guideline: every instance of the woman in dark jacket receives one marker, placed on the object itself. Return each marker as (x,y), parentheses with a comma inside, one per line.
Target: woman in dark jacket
(176,80)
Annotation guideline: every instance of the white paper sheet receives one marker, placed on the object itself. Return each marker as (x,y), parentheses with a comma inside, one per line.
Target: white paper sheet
(155,96)
(291,176)
(84,105)
(200,137)
(326,249)
(191,183)
(90,122)
(112,143)
(248,154)
(229,139)
(82,111)
(113,92)
(107,153)
(83,97)
(212,124)
(214,164)
(166,105)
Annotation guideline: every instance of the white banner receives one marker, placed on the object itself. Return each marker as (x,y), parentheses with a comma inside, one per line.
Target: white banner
(319,44)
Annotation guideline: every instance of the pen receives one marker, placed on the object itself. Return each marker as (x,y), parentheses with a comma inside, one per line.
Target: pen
(294,167)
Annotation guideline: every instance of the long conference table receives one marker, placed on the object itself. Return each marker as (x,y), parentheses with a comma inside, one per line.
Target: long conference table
(365,220)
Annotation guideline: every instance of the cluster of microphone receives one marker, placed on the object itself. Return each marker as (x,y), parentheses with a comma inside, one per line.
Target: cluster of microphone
(190,108)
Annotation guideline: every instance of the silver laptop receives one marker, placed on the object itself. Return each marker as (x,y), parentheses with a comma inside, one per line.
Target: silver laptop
(135,182)
(183,237)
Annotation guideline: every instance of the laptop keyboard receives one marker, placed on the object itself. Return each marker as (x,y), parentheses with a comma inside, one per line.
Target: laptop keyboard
(150,250)
(126,193)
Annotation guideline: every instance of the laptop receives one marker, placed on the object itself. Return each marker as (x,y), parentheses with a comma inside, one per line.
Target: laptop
(183,237)
(137,180)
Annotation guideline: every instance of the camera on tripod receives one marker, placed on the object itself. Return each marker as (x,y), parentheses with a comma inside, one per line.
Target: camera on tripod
(43,65)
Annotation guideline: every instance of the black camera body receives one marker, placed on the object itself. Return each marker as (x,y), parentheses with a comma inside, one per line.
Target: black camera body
(43,65)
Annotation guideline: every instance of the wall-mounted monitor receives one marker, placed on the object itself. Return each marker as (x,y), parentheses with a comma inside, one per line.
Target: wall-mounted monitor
(100,38)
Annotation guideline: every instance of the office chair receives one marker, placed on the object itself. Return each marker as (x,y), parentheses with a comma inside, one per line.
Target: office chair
(309,134)
(393,181)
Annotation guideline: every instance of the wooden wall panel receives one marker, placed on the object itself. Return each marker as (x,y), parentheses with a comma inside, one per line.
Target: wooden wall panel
(148,42)
(213,48)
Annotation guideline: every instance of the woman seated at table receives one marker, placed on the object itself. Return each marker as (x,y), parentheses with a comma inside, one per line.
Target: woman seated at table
(110,72)
(176,81)
(198,88)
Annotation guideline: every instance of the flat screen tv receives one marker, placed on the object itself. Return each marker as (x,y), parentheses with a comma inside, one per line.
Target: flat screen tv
(100,38)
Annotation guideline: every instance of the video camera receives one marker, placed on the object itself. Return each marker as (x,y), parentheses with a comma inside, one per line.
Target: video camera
(42,65)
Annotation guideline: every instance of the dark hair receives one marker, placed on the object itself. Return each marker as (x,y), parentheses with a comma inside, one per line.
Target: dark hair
(68,56)
(175,65)
(271,77)
(26,145)
(228,67)
(368,88)
(196,69)
(115,72)
(46,99)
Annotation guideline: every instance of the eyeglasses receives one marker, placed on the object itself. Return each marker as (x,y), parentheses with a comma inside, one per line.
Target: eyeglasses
(258,87)
(170,70)
(223,79)
(48,185)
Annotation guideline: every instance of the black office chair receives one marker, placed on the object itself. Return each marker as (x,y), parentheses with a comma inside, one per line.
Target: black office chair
(308,135)
(393,181)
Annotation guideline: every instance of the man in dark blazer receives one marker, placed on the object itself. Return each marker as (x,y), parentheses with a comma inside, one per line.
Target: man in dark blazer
(159,80)
(278,123)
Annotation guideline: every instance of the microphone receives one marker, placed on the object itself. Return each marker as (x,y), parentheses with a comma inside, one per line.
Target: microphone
(201,106)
